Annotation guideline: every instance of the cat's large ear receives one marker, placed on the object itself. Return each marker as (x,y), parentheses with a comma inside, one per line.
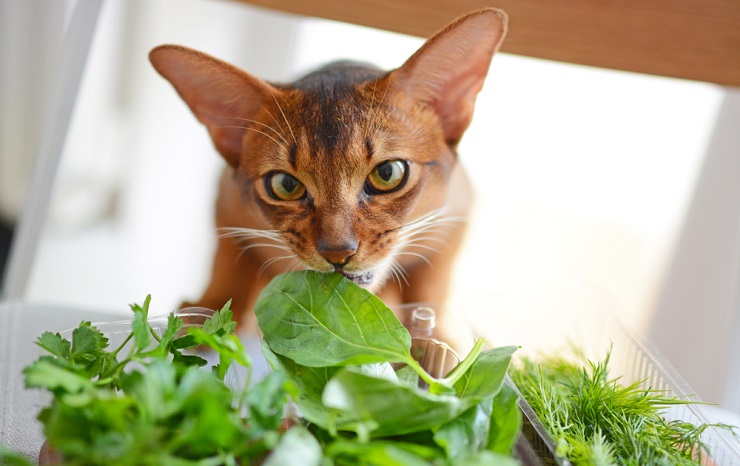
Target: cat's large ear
(221,96)
(448,71)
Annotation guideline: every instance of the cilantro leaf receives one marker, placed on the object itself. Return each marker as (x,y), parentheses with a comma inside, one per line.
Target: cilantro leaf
(55,344)
(221,322)
(47,373)
(141,328)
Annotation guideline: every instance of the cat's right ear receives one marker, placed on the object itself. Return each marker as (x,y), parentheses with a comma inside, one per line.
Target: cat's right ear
(221,96)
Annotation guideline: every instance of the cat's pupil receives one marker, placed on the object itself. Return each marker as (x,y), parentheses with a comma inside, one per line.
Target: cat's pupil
(385,171)
(289,183)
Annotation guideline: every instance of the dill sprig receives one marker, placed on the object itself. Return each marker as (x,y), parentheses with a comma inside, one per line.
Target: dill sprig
(594,420)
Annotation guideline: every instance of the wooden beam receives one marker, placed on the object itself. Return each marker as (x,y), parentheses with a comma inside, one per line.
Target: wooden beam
(688,39)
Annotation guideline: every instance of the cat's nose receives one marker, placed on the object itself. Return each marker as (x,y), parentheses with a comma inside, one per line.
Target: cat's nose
(338,255)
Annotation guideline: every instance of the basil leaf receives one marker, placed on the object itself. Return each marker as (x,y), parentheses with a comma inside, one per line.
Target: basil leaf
(506,421)
(385,453)
(484,378)
(310,382)
(467,433)
(297,447)
(319,320)
(392,409)
(484,458)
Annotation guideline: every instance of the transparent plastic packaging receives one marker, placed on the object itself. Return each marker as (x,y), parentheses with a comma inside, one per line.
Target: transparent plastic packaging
(588,320)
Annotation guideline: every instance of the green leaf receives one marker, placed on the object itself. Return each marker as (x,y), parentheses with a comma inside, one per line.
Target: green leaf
(141,327)
(174,325)
(54,344)
(485,458)
(486,375)
(322,320)
(392,408)
(310,383)
(44,373)
(467,433)
(10,458)
(297,447)
(267,400)
(506,421)
(381,453)
(228,347)
(221,322)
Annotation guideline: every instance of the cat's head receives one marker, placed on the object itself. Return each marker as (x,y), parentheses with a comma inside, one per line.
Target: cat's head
(341,163)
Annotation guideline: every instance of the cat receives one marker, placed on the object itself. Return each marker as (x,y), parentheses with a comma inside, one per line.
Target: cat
(350,168)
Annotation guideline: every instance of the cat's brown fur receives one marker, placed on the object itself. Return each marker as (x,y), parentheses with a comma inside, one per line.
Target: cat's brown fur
(330,130)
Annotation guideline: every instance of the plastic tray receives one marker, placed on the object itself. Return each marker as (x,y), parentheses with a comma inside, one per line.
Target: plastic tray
(589,321)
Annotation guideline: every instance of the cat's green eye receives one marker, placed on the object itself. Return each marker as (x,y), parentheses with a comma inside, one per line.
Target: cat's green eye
(284,187)
(386,177)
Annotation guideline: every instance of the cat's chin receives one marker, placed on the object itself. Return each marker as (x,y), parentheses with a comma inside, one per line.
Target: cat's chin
(364,279)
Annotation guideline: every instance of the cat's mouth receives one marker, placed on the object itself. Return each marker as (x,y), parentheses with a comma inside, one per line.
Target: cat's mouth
(362,279)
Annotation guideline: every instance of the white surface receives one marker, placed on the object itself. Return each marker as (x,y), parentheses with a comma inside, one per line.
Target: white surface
(700,301)
(20,325)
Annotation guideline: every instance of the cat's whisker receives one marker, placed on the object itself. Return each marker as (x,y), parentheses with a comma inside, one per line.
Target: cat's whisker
(284,117)
(420,239)
(274,120)
(398,273)
(414,254)
(249,233)
(266,245)
(272,261)
(295,265)
(427,223)
(416,245)
(256,131)
(278,133)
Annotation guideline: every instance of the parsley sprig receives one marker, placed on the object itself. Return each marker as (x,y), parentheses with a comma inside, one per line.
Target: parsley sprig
(149,402)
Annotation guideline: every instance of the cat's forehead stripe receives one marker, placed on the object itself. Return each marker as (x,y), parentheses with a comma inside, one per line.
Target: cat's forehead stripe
(292,154)
(370,148)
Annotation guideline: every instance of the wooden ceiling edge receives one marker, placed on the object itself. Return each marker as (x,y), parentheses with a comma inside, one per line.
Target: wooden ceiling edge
(544,38)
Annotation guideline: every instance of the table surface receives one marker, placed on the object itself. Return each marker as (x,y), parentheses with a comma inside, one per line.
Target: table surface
(20,325)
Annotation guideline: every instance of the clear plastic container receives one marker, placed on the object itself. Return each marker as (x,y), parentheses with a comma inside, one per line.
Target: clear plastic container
(588,320)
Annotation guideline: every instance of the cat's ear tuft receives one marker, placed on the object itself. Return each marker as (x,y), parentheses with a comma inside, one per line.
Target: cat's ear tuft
(448,71)
(221,96)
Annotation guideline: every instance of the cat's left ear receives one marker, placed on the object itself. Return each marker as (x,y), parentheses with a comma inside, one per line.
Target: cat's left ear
(448,71)
(221,96)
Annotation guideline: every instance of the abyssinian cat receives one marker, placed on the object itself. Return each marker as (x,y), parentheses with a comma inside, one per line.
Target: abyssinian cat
(350,169)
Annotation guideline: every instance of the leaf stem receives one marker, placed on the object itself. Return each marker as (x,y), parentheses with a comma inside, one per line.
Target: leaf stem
(435,385)
(465,364)
(120,347)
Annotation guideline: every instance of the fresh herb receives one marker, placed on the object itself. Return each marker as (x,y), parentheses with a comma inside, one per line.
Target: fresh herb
(149,401)
(594,420)
(335,341)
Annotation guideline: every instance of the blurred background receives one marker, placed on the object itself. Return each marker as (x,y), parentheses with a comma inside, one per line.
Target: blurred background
(584,176)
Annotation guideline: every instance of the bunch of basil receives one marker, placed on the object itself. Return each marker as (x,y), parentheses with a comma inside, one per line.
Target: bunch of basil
(334,343)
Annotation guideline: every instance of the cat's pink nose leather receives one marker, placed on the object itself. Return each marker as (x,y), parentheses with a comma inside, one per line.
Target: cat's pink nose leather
(337,257)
